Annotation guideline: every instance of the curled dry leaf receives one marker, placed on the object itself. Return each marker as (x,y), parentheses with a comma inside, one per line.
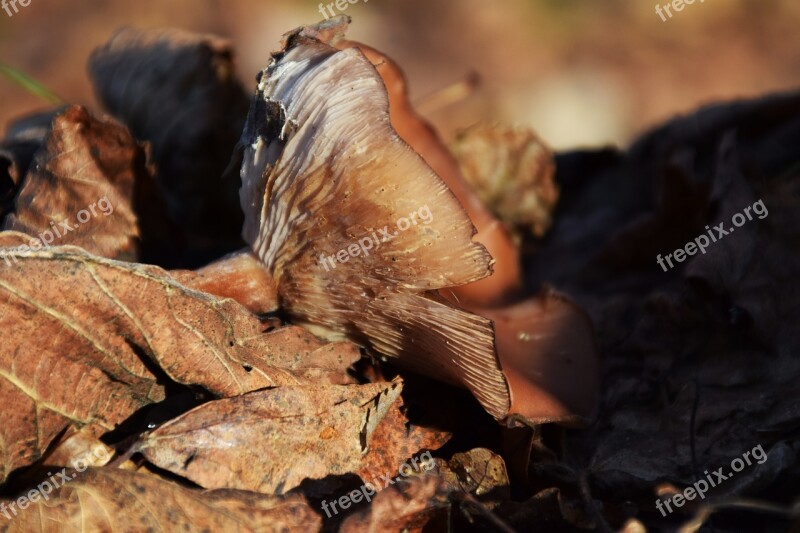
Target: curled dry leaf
(80,445)
(512,171)
(117,500)
(23,138)
(405,506)
(395,441)
(323,170)
(84,336)
(479,471)
(86,166)
(272,440)
(179,91)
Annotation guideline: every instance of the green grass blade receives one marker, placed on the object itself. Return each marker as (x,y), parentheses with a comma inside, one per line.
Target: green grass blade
(29,84)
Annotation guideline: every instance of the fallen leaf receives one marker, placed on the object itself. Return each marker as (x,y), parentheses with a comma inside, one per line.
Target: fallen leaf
(479,471)
(395,441)
(405,506)
(271,440)
(82,186)
(512,172)
(116,500)
(90,340)
(240,276)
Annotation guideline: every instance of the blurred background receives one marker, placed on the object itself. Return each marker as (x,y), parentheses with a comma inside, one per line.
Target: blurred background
(581,72)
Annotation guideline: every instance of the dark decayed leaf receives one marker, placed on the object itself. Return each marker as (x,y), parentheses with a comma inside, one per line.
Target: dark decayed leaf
(179,91)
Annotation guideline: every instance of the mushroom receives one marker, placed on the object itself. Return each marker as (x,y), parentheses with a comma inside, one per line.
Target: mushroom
(356,229)
(327,176)
(546,343)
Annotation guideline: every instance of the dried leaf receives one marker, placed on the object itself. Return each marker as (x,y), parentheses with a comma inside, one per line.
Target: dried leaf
(396,440)
(479,471)
(271,440)
(240,276)
(117,500)
(82,187)
(85,336)
(405,506)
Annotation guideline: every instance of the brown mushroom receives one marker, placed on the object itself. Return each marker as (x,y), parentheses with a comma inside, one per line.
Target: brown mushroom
(506,280)
(324,169)
(325,184)
(545,344)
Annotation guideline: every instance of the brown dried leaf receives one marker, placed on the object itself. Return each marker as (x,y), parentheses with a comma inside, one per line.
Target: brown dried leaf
(117,500)
(478,471)
(271,440)
(405,506)
(296,349)
(82,446)
(81,187)
(83,336)
(240,276)
(395,440)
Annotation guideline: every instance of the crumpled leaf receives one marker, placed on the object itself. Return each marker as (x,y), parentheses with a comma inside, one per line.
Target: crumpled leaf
(511,171)
(23,138)
(397,439)
(179,91)
(405,506)
(88,341)
(86,166)
(271,440)
(479,471)
(102,499)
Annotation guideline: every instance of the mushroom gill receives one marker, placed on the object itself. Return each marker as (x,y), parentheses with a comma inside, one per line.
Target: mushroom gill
(326,182)
(545,343)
